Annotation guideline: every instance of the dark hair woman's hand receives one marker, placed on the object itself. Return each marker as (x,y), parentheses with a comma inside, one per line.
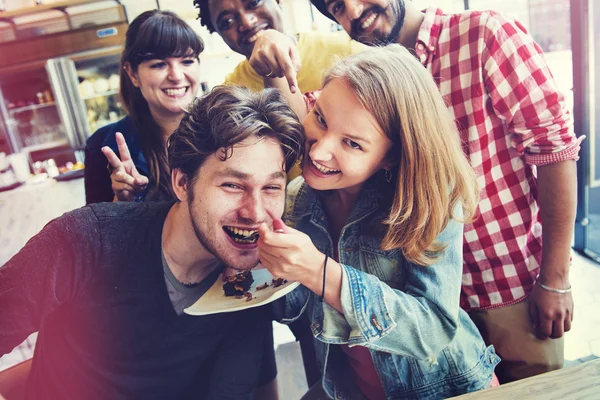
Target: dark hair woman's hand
(127,182)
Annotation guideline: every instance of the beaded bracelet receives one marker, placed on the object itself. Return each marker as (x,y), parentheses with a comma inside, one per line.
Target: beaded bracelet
(324,276)
(551,289)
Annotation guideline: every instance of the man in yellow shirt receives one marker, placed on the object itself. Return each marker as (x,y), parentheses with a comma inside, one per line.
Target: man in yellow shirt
(241,22)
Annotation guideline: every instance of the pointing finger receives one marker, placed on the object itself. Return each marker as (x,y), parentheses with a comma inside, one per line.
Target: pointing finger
(289,71)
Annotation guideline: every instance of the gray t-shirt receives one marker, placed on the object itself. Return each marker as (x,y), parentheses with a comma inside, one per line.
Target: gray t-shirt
(182,296)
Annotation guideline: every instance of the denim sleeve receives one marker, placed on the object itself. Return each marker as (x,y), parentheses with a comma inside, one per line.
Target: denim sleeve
(292,306)
(418,321)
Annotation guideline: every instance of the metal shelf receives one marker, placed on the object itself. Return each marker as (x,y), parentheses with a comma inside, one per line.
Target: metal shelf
(105,94)
(44,146)
(42,7)
(31,107)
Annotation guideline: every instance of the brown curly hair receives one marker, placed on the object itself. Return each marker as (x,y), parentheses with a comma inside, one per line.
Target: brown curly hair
(228,115)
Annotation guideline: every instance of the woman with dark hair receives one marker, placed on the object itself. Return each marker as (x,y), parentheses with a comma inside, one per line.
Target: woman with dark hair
(159,74)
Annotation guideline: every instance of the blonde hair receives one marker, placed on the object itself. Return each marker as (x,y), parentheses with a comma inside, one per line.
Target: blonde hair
(433,176)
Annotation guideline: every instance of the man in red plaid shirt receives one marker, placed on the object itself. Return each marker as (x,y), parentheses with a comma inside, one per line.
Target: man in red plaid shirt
(518,135)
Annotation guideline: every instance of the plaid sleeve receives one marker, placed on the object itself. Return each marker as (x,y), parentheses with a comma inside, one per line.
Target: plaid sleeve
(524,94)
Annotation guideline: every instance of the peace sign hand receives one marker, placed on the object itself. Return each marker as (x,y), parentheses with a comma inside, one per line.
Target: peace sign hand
(127,182)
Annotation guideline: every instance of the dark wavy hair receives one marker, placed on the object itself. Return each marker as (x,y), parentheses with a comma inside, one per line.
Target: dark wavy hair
(204,14)
(227,115)
(151,35)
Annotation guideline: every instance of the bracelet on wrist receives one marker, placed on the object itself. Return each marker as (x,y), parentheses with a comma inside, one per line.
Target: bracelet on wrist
(324,276)
(551,289)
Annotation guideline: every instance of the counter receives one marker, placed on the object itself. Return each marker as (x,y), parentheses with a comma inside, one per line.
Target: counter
(23,212)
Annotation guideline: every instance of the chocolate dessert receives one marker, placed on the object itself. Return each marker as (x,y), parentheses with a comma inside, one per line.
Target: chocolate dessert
(238,284)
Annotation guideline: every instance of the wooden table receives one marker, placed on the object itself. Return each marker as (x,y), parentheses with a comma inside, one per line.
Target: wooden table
(580,382)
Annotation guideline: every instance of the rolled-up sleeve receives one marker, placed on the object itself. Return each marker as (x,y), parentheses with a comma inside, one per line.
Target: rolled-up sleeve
(525,95)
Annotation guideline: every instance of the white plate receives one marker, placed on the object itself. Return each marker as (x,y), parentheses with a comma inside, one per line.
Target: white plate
(214,300)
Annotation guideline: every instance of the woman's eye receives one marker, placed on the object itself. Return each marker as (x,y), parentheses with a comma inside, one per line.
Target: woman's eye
(189,61)
(352,144)
(158,65)
(320,120)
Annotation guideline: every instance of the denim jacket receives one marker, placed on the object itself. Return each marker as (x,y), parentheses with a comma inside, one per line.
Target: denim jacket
(422,344)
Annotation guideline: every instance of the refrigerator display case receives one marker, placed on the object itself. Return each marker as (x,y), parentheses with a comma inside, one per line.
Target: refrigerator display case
(87,85)
(60,83)
(31,117)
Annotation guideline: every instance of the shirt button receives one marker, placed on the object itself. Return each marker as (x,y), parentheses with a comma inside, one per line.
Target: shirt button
(431,48)
(420,46)
(422,58)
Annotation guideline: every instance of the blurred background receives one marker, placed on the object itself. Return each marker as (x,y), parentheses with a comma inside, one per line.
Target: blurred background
(59,65)
(59,73)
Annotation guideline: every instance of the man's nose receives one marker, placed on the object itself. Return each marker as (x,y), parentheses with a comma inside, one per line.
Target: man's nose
(253,208)
(354,9)
(247,21)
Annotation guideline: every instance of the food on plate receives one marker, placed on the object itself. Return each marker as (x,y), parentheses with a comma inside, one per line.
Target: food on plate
(278,282)
(238,284)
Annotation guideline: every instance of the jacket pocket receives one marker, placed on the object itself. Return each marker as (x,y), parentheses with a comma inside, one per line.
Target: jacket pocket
(389,266)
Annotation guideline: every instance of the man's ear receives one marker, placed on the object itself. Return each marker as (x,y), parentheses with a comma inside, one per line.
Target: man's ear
(180,184)
(132,75)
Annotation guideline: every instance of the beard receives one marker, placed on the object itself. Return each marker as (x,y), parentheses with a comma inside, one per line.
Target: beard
(210,243)
(397,11)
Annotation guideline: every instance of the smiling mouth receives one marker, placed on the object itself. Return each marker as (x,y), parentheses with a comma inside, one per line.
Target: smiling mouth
(241,236)
(178,92)
(254,37)
(250,39)
(368,20)
(323,169)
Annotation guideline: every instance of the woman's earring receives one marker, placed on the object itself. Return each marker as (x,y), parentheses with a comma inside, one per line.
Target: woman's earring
(388,175)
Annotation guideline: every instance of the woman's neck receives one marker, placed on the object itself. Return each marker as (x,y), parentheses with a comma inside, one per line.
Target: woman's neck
(166,123)
(338,205)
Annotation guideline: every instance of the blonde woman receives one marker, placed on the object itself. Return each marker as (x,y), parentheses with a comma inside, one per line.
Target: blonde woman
(374,235)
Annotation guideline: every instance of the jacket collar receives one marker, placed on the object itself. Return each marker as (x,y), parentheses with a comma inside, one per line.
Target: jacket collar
(376,192)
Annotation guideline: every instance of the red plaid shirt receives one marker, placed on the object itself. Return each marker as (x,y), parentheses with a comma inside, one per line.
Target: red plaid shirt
(511,117)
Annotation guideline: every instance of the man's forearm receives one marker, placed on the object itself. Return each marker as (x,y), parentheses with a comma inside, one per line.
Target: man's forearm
(557,197)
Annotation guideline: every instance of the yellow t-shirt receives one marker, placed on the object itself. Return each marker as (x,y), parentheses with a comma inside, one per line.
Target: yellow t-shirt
(318,52)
